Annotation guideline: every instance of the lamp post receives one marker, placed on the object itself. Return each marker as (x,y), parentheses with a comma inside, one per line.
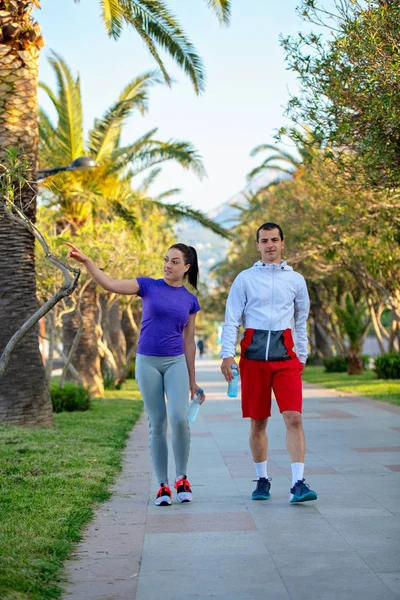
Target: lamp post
(83,163)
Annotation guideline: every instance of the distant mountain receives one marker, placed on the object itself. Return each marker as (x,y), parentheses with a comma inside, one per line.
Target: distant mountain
(211,248)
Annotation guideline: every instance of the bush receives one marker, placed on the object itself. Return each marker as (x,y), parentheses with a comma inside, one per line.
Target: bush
(69,398)
(365,360)
(335,364)
(387,366)
(338,364)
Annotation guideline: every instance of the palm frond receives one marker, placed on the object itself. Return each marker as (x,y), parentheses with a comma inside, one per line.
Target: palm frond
(262,148)
(127,215)
(147,181)
(69,110)
(179,211)
(168,194)
(281,157)
(104,136)
(111,14)
(280,154)
(265,166)
(157,26)
(52,96)
(222,9)
(46,137)
(122,156)
(144,154)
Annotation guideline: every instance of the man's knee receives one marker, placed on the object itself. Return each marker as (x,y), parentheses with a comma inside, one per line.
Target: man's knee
(258,426)
(293,419)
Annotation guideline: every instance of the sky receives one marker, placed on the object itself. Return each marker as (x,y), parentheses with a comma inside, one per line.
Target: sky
(248,84)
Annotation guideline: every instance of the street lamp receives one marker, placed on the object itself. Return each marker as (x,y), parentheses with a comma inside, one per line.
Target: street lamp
(83,163)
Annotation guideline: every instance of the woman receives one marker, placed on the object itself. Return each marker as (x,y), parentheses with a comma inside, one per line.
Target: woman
(165,357)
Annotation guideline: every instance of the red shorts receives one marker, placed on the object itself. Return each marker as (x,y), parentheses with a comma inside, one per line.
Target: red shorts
(259,377)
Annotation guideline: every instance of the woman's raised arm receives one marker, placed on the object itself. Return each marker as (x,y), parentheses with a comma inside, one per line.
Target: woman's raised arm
(128,287)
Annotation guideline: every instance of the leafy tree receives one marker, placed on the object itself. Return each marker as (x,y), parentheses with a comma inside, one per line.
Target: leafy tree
(350,76)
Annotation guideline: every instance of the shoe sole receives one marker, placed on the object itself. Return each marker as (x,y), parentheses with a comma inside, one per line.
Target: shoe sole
(164,501)
(305,498)
(261,497)
(183,501)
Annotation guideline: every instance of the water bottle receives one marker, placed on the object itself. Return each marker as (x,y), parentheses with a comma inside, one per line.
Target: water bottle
(194,406)
(233,385)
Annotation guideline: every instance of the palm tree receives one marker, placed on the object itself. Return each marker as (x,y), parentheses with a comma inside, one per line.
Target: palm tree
(306,145)
(112,186)
(24,398)
(96,196)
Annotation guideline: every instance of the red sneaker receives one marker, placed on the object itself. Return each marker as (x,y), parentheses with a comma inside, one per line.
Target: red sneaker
(183,490)
(163,497)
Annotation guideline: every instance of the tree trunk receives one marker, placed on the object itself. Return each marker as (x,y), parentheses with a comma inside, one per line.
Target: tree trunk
(311,340)
(394,340)
(87,358)
(130,318)
(117,338)
(131,333)
(113,337)
(355,364)
(375,319)
(24,397)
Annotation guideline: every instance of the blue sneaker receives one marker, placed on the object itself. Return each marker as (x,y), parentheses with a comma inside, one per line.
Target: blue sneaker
(262,490)
(301,492)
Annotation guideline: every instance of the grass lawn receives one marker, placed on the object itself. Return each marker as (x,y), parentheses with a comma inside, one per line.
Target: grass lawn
(50,481)
(366,384)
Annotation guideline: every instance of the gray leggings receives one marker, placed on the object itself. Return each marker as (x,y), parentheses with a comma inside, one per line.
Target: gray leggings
(156,376)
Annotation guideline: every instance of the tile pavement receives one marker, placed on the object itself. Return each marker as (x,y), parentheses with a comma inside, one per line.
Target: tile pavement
(344,546)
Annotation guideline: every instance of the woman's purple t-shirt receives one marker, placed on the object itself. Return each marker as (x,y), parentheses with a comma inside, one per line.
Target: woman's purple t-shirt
(166,311)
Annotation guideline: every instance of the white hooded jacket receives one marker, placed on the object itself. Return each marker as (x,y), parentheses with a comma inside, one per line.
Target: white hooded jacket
(267,297)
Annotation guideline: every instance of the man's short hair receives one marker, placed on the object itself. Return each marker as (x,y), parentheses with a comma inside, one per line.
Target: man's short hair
(268,227)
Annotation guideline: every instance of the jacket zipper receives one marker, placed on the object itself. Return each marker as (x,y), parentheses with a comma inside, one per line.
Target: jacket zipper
(270,314)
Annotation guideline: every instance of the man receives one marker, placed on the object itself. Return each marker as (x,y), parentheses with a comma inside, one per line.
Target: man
(265,299)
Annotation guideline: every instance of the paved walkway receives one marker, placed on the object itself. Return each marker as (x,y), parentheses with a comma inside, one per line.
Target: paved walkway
(344,546)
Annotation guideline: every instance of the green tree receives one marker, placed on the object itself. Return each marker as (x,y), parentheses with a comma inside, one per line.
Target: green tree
(350,76)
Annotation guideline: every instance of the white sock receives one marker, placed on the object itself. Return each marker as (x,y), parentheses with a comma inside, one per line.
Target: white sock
(261,469)
(297,472)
